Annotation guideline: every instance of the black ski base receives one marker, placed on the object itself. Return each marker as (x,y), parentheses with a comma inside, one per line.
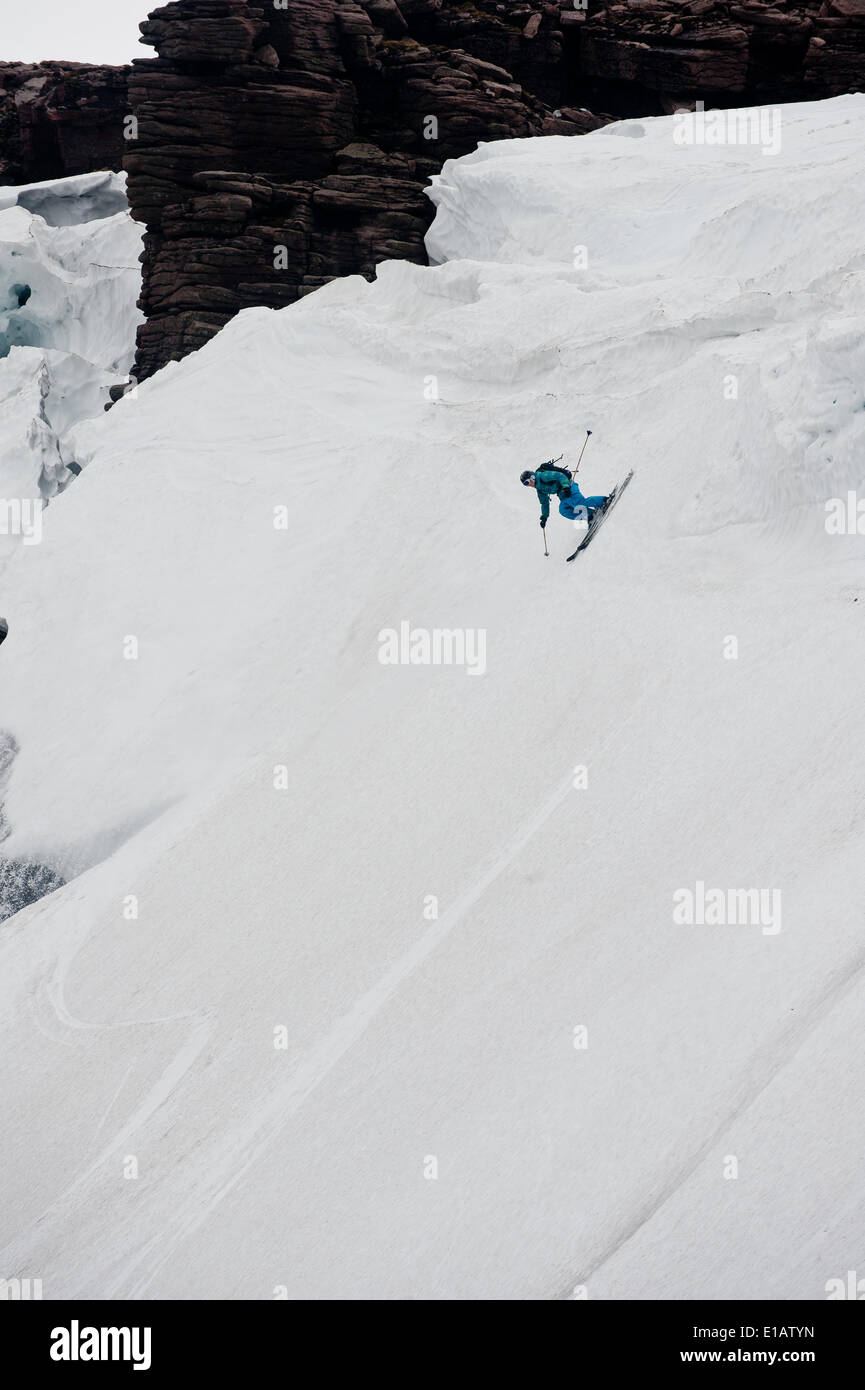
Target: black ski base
(600,517)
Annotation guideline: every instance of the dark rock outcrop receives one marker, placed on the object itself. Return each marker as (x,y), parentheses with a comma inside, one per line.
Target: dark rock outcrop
(657,54)
(280,147)
(281,143)
(60,118)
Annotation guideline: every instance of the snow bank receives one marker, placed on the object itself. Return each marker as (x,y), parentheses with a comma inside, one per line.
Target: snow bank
(686,246)
(371,973)
(69,280)
(69,256)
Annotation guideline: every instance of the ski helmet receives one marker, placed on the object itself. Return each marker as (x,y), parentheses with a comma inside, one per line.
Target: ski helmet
(527,477)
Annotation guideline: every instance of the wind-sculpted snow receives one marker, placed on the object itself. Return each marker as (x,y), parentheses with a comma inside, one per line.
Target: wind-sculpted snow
(74,247)
(73,201)
(396,983)
(703,253)
(69,279)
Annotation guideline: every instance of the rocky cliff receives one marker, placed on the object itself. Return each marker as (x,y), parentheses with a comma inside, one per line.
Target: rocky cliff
(655,54)
(282,142)
(279,146)
(60,118)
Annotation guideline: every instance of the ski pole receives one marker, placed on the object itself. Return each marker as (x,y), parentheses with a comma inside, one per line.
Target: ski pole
(544,534)
(549,465)
(583,450)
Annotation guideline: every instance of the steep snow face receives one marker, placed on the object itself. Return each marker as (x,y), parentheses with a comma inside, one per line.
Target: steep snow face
(69,279)
(397,980)
(682,246)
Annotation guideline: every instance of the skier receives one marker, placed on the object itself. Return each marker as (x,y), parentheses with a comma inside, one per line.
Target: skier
(550,480)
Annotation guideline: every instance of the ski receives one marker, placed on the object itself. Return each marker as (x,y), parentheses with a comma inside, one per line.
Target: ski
(600,517)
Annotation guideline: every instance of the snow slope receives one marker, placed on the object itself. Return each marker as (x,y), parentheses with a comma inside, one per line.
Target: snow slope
(251,1053)
(69,279)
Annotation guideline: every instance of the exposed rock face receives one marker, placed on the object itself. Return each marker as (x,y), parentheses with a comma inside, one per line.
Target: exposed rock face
(59,118)
(282,145)
(728,52)
(284,142)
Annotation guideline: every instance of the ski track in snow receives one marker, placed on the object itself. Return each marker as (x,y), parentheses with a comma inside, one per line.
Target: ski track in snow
(263,1126)
(725,268)
(763,1071)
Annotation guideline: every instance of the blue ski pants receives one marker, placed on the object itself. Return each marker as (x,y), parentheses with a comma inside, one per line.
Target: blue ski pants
(576,507)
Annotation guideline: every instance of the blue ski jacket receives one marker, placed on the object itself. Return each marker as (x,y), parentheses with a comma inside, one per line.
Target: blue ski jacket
(551,482)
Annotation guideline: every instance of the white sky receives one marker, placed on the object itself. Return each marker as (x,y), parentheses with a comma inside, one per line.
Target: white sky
(94,31)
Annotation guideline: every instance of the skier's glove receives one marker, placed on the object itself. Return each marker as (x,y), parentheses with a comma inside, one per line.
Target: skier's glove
(543,522)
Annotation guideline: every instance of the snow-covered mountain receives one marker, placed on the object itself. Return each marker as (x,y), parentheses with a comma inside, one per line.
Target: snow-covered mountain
(373,979)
